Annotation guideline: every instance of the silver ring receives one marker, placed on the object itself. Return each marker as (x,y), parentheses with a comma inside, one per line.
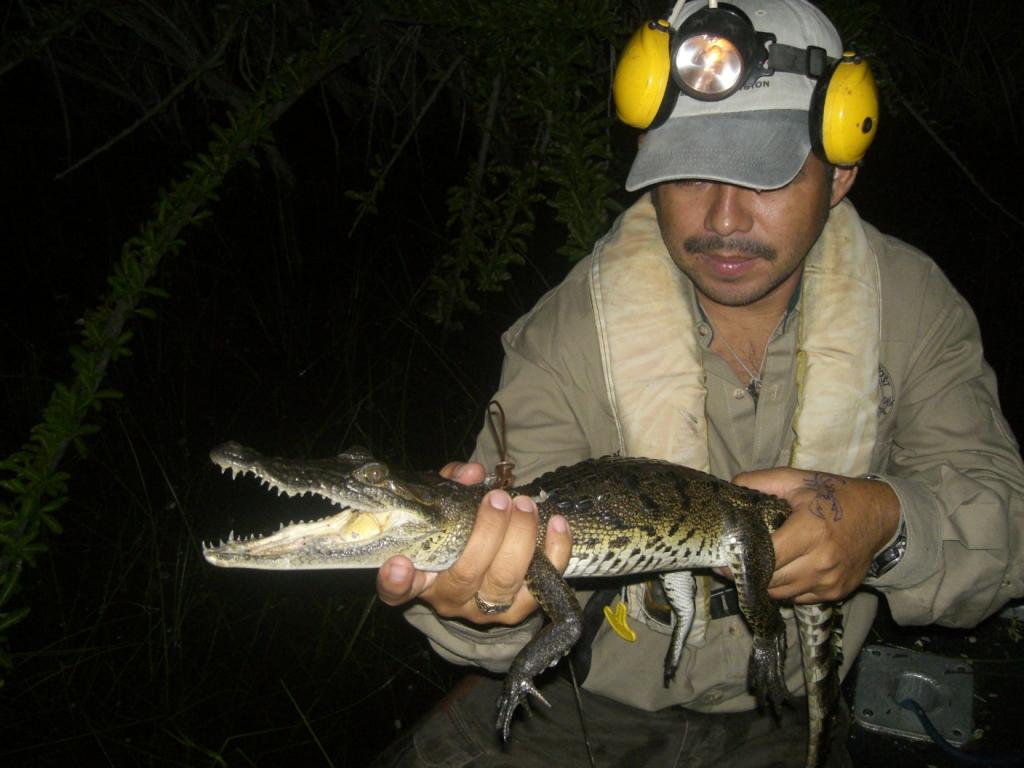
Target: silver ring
(488,608)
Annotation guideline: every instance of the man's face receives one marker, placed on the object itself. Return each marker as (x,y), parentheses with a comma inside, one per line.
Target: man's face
(739,245)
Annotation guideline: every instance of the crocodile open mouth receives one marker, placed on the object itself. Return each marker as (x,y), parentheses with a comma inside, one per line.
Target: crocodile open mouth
(353,537)
(366,522)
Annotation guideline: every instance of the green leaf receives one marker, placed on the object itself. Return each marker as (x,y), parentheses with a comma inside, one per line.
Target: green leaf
(13,485)
(53,505)
(51,522)
(9,583)
(8,620)
(80,447)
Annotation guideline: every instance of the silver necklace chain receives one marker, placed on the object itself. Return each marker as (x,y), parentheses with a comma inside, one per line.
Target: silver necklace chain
(756,379)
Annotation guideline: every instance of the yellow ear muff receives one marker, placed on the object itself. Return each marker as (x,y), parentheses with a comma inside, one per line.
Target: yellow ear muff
(844,112)
(640,88)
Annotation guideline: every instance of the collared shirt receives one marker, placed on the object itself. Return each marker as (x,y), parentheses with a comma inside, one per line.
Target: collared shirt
(943,445)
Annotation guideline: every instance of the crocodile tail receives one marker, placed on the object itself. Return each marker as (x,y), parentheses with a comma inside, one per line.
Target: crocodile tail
(818,642)
(837,635)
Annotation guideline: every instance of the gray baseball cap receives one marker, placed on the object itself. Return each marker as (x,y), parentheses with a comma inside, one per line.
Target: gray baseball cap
(758,137)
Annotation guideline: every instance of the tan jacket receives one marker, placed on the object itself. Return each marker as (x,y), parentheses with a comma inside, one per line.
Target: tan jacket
(942,444)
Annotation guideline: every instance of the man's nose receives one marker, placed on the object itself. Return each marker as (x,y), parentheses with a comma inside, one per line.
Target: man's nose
(730,210)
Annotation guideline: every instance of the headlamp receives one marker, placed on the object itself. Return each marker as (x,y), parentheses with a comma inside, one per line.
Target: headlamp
(717,51)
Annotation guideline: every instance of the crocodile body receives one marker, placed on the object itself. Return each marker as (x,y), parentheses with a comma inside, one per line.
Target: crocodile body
(627,516)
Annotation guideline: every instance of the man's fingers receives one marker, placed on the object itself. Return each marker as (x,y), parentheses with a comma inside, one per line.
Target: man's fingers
(795,593)
(460,582)
(799,582)
(800,535)
(398,581)
(788,546)
(780,481)
(492,565)
(765,482)
(503,580)
(811,578)
(558,542)
(467,473)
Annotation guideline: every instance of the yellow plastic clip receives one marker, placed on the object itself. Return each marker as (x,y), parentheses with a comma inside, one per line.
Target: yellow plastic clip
(617,620)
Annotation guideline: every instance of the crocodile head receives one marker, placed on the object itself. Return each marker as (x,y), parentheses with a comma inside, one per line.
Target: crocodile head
(373,513)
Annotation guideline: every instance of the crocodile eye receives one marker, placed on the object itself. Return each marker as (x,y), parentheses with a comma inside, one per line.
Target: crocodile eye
(371,474)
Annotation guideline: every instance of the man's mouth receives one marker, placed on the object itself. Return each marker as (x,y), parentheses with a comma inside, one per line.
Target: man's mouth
(729,265)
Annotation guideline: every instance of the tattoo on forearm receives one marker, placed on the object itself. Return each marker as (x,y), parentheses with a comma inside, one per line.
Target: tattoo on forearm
(824,487)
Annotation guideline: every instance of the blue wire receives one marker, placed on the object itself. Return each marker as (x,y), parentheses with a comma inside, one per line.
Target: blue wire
(945,746)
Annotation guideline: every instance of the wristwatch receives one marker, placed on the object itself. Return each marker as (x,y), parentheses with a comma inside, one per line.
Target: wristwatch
(887,559)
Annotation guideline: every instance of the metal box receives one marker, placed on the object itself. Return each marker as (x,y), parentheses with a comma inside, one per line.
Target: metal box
(943,687)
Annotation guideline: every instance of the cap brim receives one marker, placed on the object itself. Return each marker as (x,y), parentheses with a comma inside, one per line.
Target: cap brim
(761,149)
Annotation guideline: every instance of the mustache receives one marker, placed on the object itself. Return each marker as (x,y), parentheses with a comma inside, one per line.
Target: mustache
(714,243)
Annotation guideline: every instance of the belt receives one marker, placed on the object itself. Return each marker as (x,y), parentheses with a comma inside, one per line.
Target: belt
(725,601)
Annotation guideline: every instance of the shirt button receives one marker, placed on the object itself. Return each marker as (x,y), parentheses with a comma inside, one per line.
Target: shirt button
(703,329)
(739,393)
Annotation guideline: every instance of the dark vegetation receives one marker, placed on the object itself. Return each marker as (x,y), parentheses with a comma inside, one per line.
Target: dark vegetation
(389,185)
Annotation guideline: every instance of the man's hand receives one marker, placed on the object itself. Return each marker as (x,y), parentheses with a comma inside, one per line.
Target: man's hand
(838,525)
(492,565)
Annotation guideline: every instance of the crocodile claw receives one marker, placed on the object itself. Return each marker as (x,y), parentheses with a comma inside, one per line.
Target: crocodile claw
(766,675)
(512,695)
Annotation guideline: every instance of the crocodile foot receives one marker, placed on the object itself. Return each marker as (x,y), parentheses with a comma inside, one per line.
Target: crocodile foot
(766,676)
(512,695)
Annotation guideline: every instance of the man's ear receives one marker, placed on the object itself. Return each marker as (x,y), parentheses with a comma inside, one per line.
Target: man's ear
(842,180)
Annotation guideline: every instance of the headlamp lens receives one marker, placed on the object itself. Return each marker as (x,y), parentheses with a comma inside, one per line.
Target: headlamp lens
(708,65)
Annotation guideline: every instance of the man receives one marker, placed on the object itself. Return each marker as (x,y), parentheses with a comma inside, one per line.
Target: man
(742,319)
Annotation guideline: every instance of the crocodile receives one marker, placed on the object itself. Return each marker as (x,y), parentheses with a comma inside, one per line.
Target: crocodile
(627,516)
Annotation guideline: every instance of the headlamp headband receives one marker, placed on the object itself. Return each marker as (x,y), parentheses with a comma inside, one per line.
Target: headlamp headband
(715,51)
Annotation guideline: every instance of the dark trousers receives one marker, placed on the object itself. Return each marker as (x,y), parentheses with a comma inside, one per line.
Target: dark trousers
(461,732)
